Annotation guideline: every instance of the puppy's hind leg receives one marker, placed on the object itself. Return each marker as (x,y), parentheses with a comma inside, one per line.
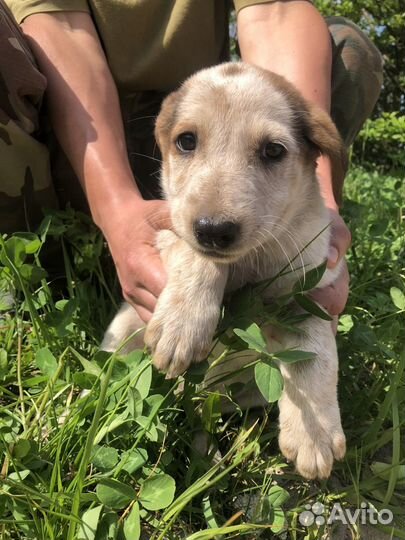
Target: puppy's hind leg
(125,323)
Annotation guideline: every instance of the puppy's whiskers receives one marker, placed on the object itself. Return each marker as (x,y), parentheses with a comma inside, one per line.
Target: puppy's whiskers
(289,261)
(140,118)
(145,156)
(290,237)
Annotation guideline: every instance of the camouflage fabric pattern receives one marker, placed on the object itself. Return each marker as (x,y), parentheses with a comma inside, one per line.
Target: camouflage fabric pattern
(357,76)
(26,181)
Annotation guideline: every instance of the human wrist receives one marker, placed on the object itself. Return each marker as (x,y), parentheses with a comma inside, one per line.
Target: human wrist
(109,207)
(324,174)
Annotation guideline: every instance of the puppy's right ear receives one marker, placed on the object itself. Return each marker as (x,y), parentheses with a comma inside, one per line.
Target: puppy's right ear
(165,121)
(322,133)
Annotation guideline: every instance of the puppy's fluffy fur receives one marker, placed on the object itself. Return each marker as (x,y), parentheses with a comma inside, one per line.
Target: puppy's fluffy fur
(233,112)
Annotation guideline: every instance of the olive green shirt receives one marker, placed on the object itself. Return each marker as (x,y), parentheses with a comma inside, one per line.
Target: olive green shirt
(150,44)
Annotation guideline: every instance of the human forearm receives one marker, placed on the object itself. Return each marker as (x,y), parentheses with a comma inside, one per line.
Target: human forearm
(84,107)
(86,117)
(292,39)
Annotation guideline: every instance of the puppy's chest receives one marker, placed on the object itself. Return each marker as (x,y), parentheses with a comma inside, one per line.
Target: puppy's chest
(281,279)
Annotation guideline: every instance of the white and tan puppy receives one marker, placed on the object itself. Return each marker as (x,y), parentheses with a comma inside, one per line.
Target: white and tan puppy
(239,147)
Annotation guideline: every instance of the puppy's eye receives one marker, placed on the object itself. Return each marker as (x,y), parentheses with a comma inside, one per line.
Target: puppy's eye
(272,151)
(186,142)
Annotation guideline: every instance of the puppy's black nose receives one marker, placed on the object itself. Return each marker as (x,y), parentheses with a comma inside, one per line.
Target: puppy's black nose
(212,234)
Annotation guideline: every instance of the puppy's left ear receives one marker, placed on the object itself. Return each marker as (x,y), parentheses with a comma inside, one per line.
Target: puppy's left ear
(165,120)
(321,132)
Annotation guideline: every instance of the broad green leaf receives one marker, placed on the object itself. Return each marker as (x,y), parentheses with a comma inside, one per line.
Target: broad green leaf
(253,337)
(149,426)
(6,301)
(68,308)
(133,359)
(211,412)
(19,476)
(135,402)
(269,508)
(89,367)
(40,300)
(34,381)
(345,323)
(379,228)
(110,426)
(143,382)
(114,494)
(167,458)
(292,356)
(46,362)
(88,527)
(132,525)
(6,425)
(153,403)
(22,448)
(105,458)
(62,319)
(269,381)
(22,519)
(134,459)
(311,279)
(157,492)
(384,470)
(398,298)
(60,304)
(108,526)
(310,306)
(14,250)
(277,496)
(31,241)
(84,380)
(32,274)
(277,520)
(245,304)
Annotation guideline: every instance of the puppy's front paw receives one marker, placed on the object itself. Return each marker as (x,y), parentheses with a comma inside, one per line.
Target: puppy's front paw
(180,333)
(312,442)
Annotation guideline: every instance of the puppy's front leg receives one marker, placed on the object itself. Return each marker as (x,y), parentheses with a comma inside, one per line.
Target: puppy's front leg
(311,434)
(187,313)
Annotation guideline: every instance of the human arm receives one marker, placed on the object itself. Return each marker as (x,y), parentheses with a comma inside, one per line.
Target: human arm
(85,114)
(291,38)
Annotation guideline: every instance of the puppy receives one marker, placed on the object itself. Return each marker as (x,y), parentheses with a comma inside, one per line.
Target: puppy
(239,147)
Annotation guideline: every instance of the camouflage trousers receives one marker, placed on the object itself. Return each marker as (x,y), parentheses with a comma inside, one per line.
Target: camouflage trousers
(34,174)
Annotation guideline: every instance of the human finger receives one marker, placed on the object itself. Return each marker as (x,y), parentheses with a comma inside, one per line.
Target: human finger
(333,298)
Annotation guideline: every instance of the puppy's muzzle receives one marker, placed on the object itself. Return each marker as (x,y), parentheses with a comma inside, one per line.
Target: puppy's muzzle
(218,235)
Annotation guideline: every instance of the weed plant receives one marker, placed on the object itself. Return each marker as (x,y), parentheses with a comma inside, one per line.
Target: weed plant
(98,446)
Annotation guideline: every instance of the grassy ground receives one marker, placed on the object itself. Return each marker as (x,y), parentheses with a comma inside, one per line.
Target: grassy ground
(93,445)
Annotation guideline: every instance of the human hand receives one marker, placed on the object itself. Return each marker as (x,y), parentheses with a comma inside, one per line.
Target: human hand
(131,236)
(334,297)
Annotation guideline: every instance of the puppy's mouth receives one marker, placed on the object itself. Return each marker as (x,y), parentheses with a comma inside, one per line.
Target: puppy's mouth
(217,255)
(214,254)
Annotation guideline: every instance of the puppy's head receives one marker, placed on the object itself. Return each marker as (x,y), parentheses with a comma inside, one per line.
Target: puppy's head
(239,147)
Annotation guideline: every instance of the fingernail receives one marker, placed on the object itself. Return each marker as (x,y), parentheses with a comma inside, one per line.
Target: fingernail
(333,255)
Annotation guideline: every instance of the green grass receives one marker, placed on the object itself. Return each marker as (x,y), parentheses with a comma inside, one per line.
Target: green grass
(93,445)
